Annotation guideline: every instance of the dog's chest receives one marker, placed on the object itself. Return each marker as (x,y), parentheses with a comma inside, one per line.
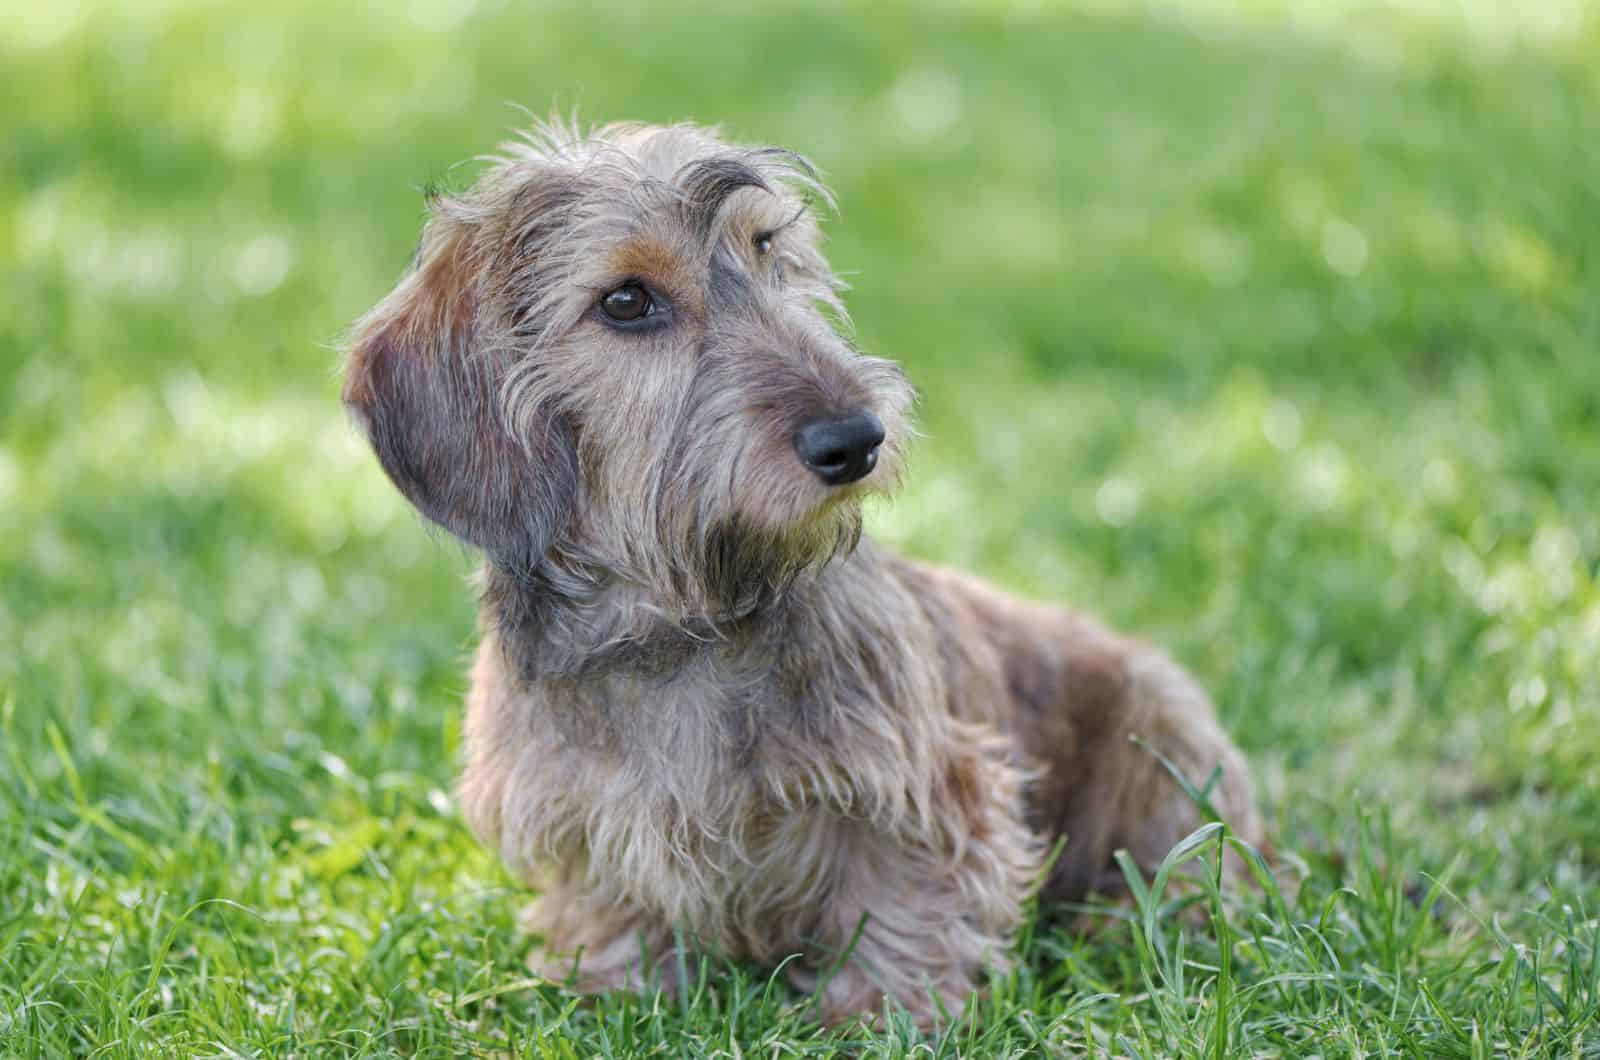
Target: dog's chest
(699,796)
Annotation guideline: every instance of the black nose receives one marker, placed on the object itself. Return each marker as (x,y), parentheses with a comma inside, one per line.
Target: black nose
(840,449)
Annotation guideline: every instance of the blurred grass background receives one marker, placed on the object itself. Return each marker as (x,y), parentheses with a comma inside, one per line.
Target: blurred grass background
(1268,329)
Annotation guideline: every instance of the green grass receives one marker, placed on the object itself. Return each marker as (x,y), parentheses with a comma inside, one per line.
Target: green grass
(1268,330)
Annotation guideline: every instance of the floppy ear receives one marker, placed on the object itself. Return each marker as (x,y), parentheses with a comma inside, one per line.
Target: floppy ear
(423,378)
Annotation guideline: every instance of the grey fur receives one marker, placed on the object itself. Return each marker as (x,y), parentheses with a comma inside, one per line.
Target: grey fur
(704,706)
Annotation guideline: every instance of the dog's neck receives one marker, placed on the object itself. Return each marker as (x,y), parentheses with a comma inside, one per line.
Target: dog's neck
(608,669)
(571,621)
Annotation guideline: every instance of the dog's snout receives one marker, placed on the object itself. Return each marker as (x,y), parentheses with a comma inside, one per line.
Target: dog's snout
(840,449)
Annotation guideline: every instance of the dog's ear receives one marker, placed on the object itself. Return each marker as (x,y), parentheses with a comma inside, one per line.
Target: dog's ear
(423,377)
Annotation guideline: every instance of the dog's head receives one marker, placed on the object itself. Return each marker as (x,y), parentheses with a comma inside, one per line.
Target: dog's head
(618,351)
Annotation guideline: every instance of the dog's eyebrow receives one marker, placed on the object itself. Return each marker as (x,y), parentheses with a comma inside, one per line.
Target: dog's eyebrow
(708,183)
(799,213)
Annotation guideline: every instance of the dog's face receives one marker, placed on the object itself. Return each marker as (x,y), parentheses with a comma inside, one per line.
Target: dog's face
(616,352)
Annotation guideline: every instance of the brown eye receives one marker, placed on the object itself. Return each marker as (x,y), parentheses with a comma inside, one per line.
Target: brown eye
(764,243)
(628,302)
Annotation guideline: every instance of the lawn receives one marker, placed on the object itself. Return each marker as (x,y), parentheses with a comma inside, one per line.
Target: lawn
(1269,330)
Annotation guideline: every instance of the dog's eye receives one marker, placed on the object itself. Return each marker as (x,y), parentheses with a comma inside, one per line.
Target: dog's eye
(763,243)
(628,302)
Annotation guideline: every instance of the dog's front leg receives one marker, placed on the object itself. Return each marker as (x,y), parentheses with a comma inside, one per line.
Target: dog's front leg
(599,945)
(919,910)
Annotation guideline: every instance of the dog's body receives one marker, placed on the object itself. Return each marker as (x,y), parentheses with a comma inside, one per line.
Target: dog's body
(702,709)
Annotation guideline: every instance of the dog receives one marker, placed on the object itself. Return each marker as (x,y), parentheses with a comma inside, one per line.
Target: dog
(706,713)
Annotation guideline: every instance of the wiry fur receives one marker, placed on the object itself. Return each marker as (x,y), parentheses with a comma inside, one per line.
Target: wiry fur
(703,707)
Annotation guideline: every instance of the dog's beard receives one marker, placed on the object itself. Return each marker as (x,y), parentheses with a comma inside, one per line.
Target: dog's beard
(744,568)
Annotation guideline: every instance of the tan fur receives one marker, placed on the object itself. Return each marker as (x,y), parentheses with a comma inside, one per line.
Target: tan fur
(703,709)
